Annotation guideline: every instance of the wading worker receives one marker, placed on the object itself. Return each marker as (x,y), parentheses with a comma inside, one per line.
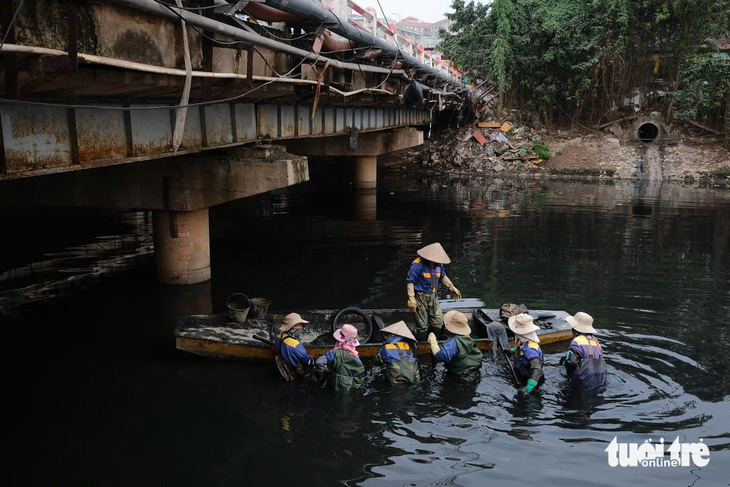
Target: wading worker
(528,358)
(399,354)
(346,369)
(459,353)
(422,286)
(291,356)
(584,360)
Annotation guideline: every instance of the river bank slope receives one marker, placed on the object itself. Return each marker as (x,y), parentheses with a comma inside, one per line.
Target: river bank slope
(680,156)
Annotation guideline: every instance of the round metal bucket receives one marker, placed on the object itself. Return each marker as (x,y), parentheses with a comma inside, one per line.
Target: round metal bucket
(238,306)
(259,308)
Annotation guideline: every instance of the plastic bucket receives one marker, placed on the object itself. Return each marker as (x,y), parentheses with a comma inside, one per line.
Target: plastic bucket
(238,305)
(259,308)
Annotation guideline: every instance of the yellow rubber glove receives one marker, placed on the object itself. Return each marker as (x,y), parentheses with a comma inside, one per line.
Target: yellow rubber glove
(447,282)
(434,344)
(411,297)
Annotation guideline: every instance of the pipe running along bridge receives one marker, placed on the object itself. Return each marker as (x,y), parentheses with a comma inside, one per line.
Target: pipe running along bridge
(172,106)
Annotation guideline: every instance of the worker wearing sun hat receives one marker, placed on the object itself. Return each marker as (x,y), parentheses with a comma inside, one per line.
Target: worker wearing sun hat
(584,360)
(422,285)
(347,370)
(459,353)
(291,355)
(527,358)
(398,353)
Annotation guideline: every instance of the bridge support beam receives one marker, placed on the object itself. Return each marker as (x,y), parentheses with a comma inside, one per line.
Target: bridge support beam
(182,246)
(178,191)
(365,148)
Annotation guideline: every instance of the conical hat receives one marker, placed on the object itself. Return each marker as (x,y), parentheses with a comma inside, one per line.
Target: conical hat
(400,329)
(435,253)
(457,322)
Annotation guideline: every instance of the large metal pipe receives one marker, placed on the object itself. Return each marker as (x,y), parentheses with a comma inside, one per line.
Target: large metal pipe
(317,13)
(152,7)
(260,11)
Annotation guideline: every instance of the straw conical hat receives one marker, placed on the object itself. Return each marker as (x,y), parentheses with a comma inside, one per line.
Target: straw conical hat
(400,329)
(457,322)
(581,322)
(435,253)
(522,324)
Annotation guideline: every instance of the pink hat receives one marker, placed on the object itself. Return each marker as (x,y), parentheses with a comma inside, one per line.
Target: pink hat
(347,333)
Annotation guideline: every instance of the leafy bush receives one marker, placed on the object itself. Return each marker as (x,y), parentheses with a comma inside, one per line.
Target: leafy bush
(541,149)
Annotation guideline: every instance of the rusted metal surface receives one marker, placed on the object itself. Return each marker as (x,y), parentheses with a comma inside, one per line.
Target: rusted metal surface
(218,128)
(268,121)
(288,122)
(245,121)
(35,140)
(192,133)
(151,131)
(303,121)
(42,139)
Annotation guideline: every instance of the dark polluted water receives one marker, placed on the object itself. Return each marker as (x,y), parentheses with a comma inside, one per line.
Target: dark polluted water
(95,393)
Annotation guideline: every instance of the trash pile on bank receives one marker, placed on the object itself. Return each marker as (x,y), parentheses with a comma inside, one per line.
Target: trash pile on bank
(490,147)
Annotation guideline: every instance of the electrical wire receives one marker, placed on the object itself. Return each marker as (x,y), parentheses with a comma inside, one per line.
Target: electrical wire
(268,30)
(158,107)
(12,22)
(218,41)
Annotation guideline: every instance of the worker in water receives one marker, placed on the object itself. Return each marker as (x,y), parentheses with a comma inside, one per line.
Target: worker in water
(459,353)
(527,358)
(399,354)
(422,286)
(584,360)
(346,369)
(291,356)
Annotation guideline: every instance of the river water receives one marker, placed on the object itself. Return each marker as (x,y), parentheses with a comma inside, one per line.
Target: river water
(95,393)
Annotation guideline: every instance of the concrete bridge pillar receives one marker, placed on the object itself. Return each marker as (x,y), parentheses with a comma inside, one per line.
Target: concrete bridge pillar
(182,246)
(366,172)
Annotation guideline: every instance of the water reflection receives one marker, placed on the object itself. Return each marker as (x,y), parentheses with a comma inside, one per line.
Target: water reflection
(650,264)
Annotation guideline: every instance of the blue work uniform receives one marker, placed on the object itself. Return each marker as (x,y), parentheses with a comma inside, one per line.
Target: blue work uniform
(399,359)
(461,356)
(425,277)
(528,361)
(584,363)
(293,352)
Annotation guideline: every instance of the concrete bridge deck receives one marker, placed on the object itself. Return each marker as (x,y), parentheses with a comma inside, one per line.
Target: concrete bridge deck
(185,101)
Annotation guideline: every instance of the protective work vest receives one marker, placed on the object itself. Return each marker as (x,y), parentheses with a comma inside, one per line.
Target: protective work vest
(400,362)
(591,371)
(469,360)
(347,371)
(425,278)
(522,358)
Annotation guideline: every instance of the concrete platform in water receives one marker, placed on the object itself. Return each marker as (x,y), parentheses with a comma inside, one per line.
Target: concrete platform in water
(217,336)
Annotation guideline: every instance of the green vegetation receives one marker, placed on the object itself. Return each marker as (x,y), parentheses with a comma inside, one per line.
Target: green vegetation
(577,60)
(541,150)
(704,89)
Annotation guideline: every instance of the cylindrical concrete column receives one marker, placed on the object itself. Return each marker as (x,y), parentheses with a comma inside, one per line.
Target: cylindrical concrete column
(182,246)
(366,172)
